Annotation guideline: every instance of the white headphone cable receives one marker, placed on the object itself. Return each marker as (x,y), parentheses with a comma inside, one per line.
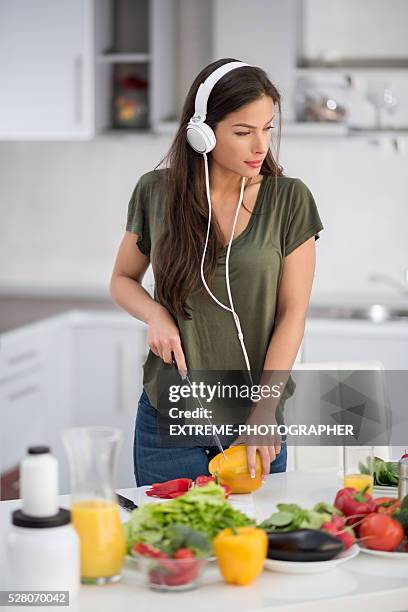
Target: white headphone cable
(232,310)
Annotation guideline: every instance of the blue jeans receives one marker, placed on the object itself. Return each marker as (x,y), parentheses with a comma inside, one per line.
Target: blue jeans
(155,463)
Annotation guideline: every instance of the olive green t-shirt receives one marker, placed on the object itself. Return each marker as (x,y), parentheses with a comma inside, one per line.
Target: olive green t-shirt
(278,227)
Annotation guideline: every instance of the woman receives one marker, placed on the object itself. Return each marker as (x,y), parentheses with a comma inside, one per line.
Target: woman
(272,245)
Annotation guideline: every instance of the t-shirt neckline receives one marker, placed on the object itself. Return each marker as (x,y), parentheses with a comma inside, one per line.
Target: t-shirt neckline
(252,217)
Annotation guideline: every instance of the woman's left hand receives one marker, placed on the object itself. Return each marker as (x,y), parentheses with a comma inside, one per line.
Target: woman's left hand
(268,445)
(267,452)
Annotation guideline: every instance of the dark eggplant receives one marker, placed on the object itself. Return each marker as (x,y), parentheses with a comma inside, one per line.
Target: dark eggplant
(303,545)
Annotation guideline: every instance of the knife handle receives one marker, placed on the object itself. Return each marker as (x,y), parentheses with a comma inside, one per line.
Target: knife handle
(176,366)
(125,503)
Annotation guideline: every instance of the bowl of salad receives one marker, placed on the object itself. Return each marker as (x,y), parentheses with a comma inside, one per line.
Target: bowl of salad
(177,563)
(181,572)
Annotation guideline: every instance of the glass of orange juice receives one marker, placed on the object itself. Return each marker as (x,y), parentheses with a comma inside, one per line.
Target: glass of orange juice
(92,454)
(358,463)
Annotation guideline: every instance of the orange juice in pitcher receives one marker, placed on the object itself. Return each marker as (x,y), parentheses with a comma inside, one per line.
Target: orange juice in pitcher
(92,453)
(98,525)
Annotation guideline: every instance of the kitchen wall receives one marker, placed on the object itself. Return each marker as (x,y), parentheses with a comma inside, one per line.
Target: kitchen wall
(63,211)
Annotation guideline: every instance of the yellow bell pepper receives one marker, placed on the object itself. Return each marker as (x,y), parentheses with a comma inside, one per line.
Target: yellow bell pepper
(233,470)
(240,555)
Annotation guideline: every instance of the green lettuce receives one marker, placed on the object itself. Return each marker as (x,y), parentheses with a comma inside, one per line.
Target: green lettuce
(204,509)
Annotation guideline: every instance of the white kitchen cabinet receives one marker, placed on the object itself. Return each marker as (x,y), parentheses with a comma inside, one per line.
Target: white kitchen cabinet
(22,393)
(262,33)
(23,419)
(59,62)
(34,390)
(46,69)
(107,371)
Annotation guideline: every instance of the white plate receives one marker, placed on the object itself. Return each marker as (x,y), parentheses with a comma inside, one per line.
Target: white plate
(385,491)
(400,556)
(310,567)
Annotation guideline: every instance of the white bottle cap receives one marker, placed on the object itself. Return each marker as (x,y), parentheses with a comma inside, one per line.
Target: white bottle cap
(39,482)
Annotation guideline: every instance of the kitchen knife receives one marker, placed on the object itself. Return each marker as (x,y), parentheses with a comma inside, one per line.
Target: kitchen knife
(126,503)
(215,435)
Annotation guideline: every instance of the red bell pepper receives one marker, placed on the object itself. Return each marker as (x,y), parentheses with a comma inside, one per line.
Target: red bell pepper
(169,489)
(202,481)
(227,490)
(354,504)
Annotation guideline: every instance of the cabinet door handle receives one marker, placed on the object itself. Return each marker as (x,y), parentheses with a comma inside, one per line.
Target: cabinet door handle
(29,390)
(18,358)
(78,88)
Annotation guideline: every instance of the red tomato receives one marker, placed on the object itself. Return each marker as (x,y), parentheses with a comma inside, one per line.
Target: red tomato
(183,553)
(381,532)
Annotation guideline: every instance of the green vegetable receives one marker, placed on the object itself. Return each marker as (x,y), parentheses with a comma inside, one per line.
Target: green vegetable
(327,508)
(291,517)
(281,519)
(203,509)
(385,472)
(182,536)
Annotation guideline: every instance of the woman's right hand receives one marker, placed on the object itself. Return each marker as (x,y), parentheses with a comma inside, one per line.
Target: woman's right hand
(163,338)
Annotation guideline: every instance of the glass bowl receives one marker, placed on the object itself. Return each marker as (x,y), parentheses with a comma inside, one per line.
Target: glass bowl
(170,574)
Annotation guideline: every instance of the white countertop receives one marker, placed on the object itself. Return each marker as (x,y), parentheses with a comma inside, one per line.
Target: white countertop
(363,581)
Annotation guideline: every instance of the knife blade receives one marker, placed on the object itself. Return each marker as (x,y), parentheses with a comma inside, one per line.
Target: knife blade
(215,435)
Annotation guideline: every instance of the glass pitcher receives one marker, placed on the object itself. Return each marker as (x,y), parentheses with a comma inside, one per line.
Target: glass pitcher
(93,454)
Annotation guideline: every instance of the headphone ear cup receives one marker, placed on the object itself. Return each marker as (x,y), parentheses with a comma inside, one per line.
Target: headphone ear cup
(200,137)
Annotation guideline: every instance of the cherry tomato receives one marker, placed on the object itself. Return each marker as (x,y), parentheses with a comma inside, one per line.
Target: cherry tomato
(381,532)
(183,553)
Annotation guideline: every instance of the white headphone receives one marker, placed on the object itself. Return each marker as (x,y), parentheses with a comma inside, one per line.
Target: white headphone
(199,135)
(202,139)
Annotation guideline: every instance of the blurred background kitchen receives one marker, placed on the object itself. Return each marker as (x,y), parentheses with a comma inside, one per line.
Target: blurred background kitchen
(91,91)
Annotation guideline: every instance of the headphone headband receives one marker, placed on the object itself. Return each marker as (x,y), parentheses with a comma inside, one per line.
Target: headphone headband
(199,135)
(203,92)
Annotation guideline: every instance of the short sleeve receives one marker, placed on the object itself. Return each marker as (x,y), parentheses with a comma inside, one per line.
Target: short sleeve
(303,219)
(137,217)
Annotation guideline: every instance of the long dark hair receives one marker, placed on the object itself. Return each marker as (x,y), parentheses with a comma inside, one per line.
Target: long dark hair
(178,251)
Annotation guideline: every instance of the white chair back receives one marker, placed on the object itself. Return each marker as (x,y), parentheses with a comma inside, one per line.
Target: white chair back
(326,458)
